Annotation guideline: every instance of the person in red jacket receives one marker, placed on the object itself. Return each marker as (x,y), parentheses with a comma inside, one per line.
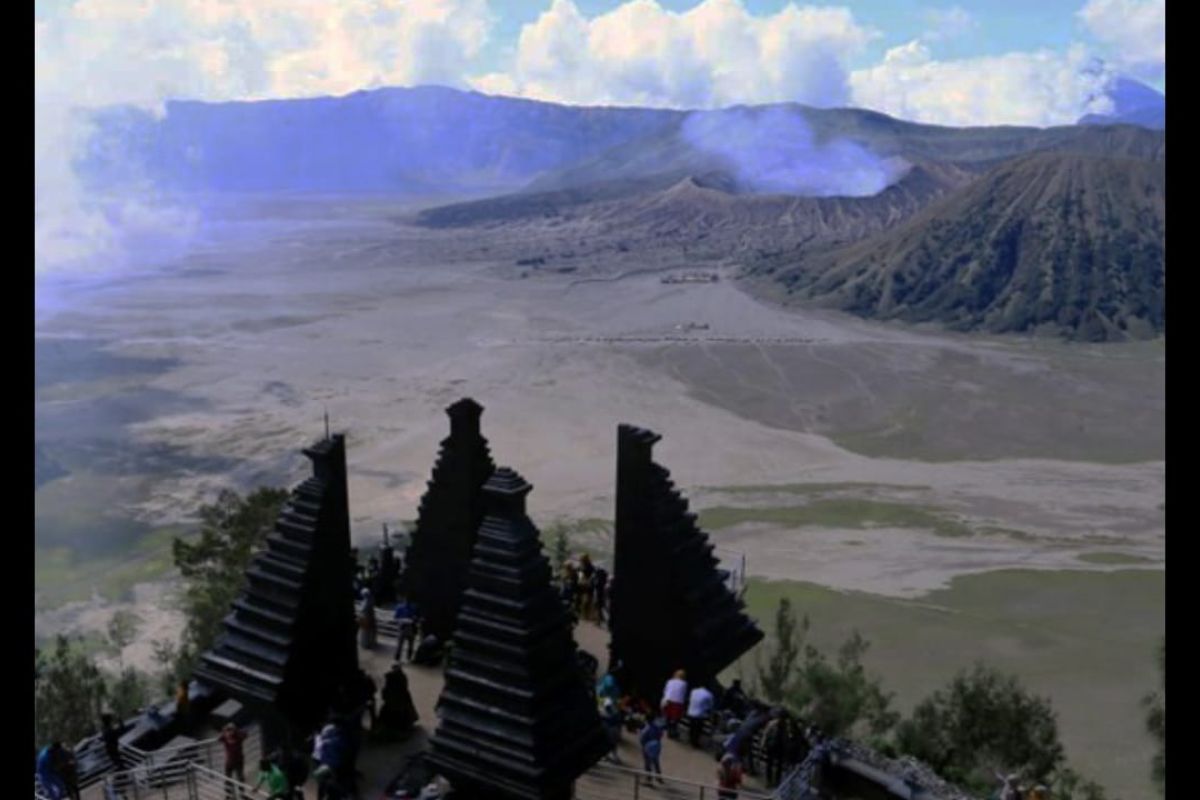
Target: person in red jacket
(729,777)
(235,758)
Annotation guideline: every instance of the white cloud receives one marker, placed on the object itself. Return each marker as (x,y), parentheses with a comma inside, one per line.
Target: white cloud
(1024,88)
(142,52)
(1136,30)
(716,53)
(948,23)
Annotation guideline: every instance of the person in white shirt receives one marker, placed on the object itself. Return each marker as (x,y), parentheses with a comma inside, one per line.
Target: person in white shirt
(673,700)
(700,705)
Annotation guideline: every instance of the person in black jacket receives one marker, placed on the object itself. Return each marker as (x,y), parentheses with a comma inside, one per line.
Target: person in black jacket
(111,735)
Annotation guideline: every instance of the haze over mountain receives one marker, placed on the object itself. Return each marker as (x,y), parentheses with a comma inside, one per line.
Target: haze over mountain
(997,228)
(1134,103)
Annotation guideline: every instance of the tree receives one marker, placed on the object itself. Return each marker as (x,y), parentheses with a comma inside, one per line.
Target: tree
(69,692)
(562,547)
(1067,784)
(213,565)
(774,678)
(122,630)
(983,723)
(1156,722)
(838,697)
(128,692)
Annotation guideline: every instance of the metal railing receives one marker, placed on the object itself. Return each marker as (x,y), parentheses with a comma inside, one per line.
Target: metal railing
(182,780)
(734,562)
(145,772)
(614,782)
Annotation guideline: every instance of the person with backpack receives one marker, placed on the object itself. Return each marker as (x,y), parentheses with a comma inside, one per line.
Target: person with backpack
(650,738)
(729,777)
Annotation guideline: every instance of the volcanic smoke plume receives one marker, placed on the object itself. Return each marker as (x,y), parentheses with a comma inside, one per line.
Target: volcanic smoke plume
(773,151)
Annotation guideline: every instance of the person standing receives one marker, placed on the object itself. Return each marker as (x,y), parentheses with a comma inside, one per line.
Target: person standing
(729,777)
(586,573)
(673,702)
(48,762)
(111,735)
(775,742)
(650,738)
(611,719)
(600,594)
(700,706)
(275,780)
(328,787)
(607,688)
(68,768)
(406,622)
(183,705)
(367,623)
(232,739)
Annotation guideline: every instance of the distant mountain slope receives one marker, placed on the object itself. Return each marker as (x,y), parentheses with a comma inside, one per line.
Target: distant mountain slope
(700,209)
(667,156)
(434,141)
(1134,103)
(425,140)
(1053,241)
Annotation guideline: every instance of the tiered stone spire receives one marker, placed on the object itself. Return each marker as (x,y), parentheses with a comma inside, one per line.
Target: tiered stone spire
(670,606)
(288,642)
(517,720)
(447,521)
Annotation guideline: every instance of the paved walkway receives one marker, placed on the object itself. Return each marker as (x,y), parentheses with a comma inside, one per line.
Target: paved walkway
(380,763)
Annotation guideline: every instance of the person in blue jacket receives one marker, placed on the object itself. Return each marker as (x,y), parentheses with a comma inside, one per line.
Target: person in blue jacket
(47,771)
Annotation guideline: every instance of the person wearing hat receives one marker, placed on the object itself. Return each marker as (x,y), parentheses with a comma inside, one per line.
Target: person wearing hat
(729,777)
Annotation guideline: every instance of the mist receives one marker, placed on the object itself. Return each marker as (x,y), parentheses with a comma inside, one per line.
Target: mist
(773,151)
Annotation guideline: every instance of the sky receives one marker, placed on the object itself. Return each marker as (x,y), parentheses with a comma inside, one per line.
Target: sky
(1038,62)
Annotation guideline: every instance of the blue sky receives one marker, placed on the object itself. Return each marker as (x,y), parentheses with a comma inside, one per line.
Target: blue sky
(1001,27)
(968,62)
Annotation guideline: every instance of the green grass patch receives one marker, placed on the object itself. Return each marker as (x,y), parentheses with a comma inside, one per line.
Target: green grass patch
(1105,557)
(839,513)
(61,575)
(1084,639)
